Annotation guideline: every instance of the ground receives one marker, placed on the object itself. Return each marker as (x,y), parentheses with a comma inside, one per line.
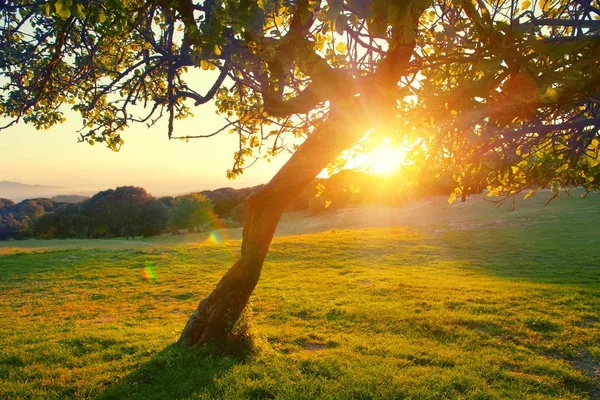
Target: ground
(427,300)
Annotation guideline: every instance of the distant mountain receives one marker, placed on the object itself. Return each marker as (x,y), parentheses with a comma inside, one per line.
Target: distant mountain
(69,198)
(17,191)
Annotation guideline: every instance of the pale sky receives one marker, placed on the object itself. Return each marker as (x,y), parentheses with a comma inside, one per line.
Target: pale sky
(148,158)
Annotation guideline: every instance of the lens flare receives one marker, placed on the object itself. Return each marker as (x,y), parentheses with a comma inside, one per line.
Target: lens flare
(214,237)
(149,274)
(219,235)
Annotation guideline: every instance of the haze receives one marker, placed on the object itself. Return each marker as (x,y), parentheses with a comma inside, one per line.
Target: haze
(147,159)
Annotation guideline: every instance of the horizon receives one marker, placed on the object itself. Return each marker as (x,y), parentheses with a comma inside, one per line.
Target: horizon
(56,191)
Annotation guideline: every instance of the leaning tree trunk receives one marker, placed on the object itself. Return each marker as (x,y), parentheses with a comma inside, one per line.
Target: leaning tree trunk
(218,312)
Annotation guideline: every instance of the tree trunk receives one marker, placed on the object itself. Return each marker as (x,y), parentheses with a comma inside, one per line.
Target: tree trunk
(216,314)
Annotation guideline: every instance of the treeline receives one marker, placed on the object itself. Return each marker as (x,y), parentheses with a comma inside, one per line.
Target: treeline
(126,211)
(130,211)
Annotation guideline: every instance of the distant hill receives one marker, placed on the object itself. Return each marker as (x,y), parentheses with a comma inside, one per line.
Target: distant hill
(69,198)
(17,191)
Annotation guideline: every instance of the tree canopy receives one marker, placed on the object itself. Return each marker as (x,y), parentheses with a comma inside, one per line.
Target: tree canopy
(507,87)
(191,211)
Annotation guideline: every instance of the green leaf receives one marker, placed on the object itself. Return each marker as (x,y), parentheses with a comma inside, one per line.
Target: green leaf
(78,11)
(64,12)
(398,13)
(335,8)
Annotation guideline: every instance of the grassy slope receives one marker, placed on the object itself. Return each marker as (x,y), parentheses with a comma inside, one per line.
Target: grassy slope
(466,301)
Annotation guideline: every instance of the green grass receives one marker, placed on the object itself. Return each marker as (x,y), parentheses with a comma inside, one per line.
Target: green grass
(464,301)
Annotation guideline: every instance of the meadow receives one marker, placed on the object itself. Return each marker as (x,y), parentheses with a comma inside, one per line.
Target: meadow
(424,301)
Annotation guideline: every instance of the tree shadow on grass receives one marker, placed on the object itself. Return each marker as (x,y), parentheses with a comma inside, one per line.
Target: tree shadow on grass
(537,253)
(176,373)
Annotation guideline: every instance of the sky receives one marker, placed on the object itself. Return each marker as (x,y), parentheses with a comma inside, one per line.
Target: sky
(148,158)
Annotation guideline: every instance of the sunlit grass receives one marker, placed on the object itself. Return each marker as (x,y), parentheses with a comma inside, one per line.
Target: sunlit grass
(474,302)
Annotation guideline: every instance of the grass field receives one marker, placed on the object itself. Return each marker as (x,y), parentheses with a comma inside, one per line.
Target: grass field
(425,301)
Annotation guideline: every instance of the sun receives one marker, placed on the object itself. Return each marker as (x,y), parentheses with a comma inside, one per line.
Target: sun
(385,159)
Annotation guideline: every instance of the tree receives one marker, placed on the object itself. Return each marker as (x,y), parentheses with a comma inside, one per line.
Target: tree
(129,203)
(153,218)
(191,211)
(507,90)
(100,211)
(117,212)
(6,205)
(67,221)
(239,212)
(10,228)
(17,220)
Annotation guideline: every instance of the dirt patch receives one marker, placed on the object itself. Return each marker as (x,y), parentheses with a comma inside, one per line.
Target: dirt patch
(314,346)
(591,367)
(587,364)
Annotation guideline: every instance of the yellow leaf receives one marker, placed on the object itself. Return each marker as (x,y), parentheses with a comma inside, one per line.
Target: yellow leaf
(529,194)
(525,5)
(205,65)
(546,5)
(217,50)
(341,47)
(452,198)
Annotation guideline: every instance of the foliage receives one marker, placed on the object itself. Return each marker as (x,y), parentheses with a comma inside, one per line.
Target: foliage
(192,211)
(153,218)
(226,199)
(239,213)
(126,211)
(116,212)
(460,305)
(17,220)
(67,221)
(506,90)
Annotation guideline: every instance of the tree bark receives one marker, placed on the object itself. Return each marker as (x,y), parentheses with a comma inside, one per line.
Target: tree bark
(214,317)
